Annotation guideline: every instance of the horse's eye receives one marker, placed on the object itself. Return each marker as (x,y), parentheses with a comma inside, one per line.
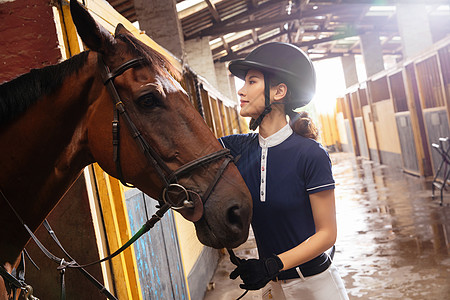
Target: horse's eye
(148,100)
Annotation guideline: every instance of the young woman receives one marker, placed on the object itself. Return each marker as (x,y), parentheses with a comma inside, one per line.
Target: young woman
(289,176)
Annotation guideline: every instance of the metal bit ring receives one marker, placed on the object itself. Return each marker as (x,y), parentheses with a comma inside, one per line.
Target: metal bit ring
(186,202)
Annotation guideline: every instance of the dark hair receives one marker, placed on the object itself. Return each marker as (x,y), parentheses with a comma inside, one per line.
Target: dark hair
(300,122)
(303,125)
(22,92)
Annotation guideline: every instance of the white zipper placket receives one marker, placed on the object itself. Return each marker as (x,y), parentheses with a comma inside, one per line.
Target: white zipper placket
(264,152)
(274,140)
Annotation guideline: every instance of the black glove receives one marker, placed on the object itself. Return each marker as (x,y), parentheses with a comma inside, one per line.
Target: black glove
(256,273)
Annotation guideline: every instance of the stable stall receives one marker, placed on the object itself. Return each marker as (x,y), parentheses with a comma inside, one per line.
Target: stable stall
(404,126)
(399,113)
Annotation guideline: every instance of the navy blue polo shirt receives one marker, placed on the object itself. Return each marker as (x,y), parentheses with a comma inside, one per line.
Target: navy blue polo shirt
(280,172)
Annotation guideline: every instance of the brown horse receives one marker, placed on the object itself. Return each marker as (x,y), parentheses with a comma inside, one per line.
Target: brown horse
(56,120)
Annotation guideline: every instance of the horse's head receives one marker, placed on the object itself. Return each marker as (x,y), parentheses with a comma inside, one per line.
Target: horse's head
(160,132)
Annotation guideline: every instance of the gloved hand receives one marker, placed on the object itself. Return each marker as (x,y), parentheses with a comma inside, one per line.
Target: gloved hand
(256,273)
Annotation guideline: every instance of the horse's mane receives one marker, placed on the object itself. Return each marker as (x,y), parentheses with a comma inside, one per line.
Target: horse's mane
(158,61)
(20,93)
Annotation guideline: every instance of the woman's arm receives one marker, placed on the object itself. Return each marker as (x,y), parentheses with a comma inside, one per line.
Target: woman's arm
(324,213)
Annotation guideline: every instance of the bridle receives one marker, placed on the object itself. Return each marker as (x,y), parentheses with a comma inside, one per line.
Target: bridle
(171,186)
(167,176)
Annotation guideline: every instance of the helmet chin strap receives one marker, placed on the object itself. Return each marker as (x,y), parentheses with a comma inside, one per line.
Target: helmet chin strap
(254,123)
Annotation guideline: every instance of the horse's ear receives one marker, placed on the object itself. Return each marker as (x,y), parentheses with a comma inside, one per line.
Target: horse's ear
(93,34)
(120,29)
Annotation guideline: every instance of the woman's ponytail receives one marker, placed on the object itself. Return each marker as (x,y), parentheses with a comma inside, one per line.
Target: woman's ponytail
(303,125)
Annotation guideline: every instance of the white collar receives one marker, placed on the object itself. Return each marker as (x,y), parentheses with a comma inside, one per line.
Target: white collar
(276,138)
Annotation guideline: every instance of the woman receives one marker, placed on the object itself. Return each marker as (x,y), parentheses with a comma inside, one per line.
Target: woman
(289,176)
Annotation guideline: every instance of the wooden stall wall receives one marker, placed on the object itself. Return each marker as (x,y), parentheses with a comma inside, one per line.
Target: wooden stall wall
(350,127)
(404,125)
(117,231)
(366,111)
(360,130)
(434,104)
(384,120)
(341,121)
(444,62)
(72,222)
(417,121)
(329,132)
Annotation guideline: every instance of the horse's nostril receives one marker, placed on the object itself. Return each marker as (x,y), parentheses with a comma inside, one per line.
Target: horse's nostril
(234,216)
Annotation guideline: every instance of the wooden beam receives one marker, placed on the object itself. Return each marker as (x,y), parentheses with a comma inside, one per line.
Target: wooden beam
(239,17)
(247,37)
(242,39)
(212,9)
(254,34)
(225,45)
(224,28)
(252,4)
(304,44)
(235,55)
(328,39)
(327,56)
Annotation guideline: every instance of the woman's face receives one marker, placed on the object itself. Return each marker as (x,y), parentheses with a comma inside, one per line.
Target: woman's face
(252,94)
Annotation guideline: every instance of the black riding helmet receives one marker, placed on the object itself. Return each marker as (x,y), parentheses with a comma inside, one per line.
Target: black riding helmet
(287,63)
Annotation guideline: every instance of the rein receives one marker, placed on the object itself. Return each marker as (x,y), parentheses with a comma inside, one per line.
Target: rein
(19,283)
(168,177)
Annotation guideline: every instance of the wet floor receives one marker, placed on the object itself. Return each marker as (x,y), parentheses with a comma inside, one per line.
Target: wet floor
(393,238)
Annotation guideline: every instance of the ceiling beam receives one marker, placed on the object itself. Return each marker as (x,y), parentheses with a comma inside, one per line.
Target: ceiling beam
(254,34)
(261,32)
(239,17)
(300,31)
(212,9)
(225,45)
(224,28)
(235,54)
(327,56)
(253,4)
(328,39)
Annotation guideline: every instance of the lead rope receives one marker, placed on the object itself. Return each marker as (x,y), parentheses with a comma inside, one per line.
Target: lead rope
(145,228)
(236,261)
(91,278)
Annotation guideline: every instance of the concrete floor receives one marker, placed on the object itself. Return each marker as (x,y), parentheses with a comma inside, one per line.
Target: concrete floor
(393,238)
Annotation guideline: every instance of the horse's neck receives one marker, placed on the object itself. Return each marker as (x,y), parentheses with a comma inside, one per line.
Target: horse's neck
(43,152)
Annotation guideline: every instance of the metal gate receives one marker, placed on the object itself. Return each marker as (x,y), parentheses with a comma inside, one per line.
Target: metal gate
(158,257)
